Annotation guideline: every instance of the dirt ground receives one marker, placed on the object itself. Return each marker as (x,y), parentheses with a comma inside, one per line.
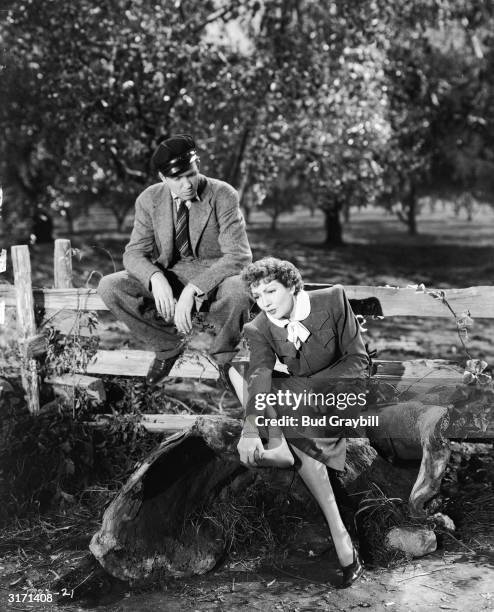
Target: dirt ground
(450,252)
(440,581)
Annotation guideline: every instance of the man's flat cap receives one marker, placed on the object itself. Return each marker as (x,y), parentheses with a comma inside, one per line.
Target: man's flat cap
(174,155)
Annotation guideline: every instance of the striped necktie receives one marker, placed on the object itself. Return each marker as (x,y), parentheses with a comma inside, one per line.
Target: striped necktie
(182,231)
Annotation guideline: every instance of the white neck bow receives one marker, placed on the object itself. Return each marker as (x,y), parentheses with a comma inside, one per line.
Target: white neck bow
(297,333)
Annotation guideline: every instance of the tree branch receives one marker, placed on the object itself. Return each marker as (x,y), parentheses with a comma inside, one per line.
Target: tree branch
(218,15)
(123,170)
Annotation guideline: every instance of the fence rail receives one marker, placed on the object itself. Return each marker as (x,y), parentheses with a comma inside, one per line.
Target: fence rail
(394,301)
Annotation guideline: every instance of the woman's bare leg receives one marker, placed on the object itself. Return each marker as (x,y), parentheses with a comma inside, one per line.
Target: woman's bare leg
(239,384)
(315,476)
(277,453)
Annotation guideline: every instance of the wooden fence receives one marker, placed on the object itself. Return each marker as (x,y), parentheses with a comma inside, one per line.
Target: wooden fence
(394,301)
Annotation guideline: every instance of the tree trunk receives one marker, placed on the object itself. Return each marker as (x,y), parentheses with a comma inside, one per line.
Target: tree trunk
(42,227)
(274,220)
(233,172)
(70,221)
(334,229)
(411,202)
(119,215)
(346,214)
(120,222)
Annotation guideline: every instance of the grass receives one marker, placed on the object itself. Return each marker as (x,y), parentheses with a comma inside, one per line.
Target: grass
(262,517)
(376,515)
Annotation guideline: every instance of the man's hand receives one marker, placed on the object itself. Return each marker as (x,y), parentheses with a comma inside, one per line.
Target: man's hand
(183,310)
(163,296)
(250,448)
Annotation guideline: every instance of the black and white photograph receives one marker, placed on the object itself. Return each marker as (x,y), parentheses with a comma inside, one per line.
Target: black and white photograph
(246,305)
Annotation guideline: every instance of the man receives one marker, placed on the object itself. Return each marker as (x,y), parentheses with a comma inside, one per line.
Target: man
(186,249)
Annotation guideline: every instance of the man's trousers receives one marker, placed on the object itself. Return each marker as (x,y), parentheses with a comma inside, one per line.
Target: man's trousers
(226,309)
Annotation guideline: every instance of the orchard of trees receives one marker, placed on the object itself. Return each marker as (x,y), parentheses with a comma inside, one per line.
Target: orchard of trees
(337,104)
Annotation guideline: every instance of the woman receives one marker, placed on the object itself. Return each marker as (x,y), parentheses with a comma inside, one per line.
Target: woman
(316,336)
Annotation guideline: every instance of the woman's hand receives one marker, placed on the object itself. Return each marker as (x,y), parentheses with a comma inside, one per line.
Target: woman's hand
(250,448)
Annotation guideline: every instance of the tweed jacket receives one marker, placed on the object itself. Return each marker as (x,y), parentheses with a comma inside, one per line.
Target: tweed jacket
(334,351)
(216,228)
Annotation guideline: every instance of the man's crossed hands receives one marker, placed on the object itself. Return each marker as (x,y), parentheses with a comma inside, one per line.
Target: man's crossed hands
(179,310)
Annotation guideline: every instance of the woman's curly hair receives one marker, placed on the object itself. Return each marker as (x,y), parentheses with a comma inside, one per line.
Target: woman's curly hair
(271,268)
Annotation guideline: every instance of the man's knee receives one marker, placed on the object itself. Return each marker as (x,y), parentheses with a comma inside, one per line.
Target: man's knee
(111,285)
(234,291)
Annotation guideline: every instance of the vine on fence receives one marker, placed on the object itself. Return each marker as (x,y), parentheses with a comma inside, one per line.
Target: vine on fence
(470,402)
(474,368)
(71,352)
(199,340)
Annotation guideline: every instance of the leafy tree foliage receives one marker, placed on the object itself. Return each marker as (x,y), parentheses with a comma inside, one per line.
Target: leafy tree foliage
(323,113)
(375,101)
(93,87)
(352,102)
(436,69)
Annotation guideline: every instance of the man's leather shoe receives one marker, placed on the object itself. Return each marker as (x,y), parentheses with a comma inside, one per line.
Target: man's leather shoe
(159,369)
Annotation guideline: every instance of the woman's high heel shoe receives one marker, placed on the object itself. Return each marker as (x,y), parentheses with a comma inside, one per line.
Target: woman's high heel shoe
(352,572)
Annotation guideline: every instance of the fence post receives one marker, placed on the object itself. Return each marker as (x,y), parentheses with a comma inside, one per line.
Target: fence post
(62,264)
(26,324)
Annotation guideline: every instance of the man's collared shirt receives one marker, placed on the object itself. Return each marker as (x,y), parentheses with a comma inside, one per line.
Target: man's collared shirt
(178,200)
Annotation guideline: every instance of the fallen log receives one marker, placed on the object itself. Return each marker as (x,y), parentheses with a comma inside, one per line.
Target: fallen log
(154,528)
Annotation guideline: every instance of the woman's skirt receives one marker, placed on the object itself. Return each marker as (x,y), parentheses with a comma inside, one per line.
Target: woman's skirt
(314,417)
